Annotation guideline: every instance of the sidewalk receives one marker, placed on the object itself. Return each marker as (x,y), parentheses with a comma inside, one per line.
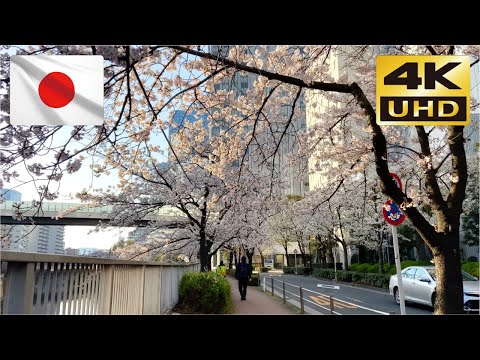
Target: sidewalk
(258,302)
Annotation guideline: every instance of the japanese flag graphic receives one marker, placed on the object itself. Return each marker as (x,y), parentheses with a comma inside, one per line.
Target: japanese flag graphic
(56,90)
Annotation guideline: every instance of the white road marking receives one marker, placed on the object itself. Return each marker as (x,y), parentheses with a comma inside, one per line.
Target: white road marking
(336,287)
(363,302)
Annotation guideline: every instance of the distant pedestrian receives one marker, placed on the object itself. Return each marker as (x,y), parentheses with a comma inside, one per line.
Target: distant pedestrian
(221,269)
(243,273)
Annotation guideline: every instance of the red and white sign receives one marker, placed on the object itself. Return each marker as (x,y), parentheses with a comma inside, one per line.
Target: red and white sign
(56,90)
(397,180)
(392,213)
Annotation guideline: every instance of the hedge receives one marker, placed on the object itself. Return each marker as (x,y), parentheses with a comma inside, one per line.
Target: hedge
(372,268)
(471,268)
(204,293)
(378,280)
(328,266)
(300,270)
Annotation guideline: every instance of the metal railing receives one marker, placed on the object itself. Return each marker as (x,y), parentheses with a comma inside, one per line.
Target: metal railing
(68,285)
(325,302)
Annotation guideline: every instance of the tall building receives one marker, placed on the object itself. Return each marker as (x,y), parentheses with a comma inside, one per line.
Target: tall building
(46,239)
(71,252)
(11,195)
(14,237)
(139,235)
(294,178)
(181,118)
(318,107)
(471,133)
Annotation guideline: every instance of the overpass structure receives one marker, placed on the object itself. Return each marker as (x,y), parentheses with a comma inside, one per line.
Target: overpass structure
(172,217)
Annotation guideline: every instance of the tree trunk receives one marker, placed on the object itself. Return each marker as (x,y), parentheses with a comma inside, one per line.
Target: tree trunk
(230,260)
(303,253)
(250,256)
(345,255)
(449,289)
(205,256)
(286,255)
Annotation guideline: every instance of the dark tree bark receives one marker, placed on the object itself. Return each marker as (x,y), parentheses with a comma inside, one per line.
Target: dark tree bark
(205,244)
(285,247)
(250,253)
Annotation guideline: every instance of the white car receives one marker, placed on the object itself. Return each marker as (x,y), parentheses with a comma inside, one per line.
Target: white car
(419,287)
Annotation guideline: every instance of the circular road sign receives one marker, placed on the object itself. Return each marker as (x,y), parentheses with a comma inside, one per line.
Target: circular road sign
(397,180)
(392,213)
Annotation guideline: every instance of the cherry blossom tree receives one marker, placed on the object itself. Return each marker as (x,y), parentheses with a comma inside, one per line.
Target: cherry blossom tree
(145,84)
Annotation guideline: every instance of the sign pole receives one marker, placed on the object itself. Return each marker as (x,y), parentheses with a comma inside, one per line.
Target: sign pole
(295,252)
(335,260)
(399,270)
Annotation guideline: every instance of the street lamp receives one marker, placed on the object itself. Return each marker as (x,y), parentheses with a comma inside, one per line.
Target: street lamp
(295,252)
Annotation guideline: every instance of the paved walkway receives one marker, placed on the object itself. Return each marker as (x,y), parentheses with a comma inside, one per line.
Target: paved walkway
(258,302)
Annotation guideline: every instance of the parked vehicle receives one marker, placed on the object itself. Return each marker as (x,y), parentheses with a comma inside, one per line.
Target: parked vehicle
(419,286)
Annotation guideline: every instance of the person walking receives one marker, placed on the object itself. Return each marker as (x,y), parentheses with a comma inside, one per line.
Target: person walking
(221,269)
(243,273)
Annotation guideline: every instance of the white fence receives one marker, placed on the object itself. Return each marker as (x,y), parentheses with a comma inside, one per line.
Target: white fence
(67,285)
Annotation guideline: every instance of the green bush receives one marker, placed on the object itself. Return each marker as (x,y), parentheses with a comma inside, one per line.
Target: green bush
(472,259)
(471,268)
(387,269)
(204,293)
(324,273)
(327,266)
(378,280)
(264,269)
(407,263)
(300,270)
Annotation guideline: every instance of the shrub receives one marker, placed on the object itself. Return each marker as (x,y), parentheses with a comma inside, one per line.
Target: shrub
(324,273)
(378,280)
(472,268)
(301,270)
(328,266)
(264,269)
(204,293)
(472,259)
(344,276)
(407,263)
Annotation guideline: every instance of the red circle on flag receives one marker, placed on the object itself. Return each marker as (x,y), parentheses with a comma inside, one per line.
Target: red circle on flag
(56,90)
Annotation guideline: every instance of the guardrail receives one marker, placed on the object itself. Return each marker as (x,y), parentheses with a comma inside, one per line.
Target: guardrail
(299,299)
(70,285)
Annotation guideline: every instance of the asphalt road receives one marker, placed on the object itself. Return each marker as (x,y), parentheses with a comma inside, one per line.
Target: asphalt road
(348,299)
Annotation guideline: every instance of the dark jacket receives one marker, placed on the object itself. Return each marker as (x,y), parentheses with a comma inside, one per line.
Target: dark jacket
(239,267)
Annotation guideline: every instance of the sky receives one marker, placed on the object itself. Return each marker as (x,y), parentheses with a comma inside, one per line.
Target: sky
(79,237)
